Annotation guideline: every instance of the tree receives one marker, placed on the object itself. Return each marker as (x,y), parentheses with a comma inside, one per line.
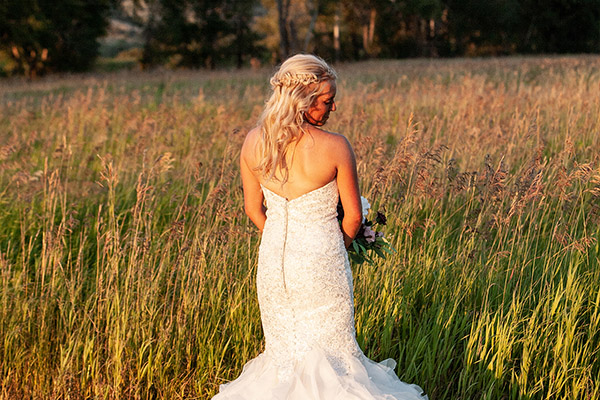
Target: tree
(194,33)
(286,28)
(296,21)
(483,27)
(360,18)
(52,35)
(562,26)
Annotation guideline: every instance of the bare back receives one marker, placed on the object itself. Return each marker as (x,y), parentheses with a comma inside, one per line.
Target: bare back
(316,159)
(312,162)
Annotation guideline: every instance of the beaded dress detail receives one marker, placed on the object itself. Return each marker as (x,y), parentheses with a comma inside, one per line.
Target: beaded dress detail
(304,286)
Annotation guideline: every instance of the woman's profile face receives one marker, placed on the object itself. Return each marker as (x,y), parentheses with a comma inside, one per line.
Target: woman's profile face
(318,112)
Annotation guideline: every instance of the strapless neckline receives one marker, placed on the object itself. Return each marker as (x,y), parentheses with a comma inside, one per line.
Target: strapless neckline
(302,195)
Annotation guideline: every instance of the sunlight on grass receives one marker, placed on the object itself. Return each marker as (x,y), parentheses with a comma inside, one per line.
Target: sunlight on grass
(127,265)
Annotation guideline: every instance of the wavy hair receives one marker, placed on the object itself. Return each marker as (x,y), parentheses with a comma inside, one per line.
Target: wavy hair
(296,85)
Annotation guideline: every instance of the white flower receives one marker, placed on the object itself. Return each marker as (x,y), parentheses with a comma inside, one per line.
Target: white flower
(365,207)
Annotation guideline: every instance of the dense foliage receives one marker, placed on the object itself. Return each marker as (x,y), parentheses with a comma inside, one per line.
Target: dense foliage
(198,33)
(51,35)
(38,35)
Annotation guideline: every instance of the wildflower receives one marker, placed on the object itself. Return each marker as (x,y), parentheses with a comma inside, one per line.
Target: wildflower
(380,218)
(368,242)
(369,234)
(365,207)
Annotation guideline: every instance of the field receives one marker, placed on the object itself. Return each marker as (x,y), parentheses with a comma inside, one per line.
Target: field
(127,265)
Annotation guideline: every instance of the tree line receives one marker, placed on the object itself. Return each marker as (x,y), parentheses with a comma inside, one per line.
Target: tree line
(39,36)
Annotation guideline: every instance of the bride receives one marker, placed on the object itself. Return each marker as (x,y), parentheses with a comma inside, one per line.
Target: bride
(304,281)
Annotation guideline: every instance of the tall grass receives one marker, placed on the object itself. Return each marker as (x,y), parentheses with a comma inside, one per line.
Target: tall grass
(127,265)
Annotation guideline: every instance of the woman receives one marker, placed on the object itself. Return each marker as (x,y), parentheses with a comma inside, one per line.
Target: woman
(304,281)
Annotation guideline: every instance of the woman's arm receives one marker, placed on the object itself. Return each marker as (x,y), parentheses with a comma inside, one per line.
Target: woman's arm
(253,195)
(347,181)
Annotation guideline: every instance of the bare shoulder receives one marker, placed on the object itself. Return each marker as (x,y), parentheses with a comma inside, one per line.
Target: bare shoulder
(332,141)
(252,137)
(337,146)
(250,144)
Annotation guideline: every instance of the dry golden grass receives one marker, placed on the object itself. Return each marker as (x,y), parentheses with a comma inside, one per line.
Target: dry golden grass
(127,265)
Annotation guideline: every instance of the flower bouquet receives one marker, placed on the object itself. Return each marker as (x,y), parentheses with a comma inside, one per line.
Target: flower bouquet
(368,241)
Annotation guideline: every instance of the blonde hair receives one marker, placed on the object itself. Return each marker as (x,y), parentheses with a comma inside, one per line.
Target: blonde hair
(296,85)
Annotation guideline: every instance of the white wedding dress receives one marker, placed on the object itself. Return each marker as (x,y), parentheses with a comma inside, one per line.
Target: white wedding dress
(304,285)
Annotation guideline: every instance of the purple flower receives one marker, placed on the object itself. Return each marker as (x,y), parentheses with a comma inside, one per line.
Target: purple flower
(369,234)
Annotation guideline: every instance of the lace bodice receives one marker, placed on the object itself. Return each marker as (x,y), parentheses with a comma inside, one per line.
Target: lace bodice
(315,207)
